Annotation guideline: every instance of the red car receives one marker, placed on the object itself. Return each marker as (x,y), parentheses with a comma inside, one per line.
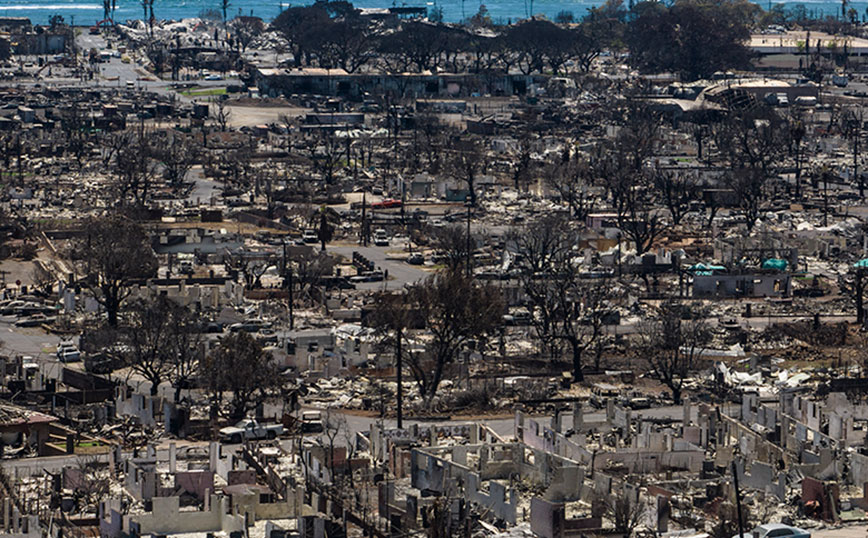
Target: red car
(388,203)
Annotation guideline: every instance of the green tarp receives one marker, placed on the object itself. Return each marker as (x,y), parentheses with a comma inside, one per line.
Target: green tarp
(702,269)
(775,263)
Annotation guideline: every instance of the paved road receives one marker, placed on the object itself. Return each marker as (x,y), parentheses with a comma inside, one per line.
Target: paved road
(111,69)
(203,188)
(30,341)
(400,272)
(856,531)
(123,72)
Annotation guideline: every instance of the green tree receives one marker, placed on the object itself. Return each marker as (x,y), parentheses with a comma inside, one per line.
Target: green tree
(694,38)
(482,19)
(565,17)
(435,14)
(416,45)
(304,28)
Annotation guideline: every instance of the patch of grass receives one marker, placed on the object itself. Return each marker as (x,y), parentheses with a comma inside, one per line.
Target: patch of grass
(204,92)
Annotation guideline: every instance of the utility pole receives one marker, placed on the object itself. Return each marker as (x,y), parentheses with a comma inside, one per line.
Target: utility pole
(737,501)
(857,129)
(825,198)
(399,334)
(469,268)
(363,227)
(287,281)
(619,254)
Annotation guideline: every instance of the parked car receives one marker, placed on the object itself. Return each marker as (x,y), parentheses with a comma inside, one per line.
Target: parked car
(601,392)
(729,323)
(35,320)
(518,317)
(336,282)
(388,203)
(309,236)
(250,326)
(415,259)
(368,276)
(210,327)
(68,352)
(250,429)
(635,401)
(380,238)
(101,363)
(266,336)
(311,422)
(776,530)
(8,308)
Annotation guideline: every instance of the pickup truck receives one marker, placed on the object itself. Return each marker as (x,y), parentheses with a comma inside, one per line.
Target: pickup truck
(309,422)
(250,429)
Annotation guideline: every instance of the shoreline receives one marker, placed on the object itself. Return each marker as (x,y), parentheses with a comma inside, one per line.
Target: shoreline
(501,12)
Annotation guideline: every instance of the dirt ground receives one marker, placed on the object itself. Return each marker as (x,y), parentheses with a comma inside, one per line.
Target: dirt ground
(248,116)
(17,270)
(858,531)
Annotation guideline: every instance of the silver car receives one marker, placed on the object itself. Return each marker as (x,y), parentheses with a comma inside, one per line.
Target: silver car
(776,530)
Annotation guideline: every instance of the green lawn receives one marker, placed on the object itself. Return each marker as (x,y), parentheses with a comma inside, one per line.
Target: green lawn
(204,92)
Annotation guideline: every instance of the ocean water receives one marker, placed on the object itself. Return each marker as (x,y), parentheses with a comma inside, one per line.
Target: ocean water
(87,12)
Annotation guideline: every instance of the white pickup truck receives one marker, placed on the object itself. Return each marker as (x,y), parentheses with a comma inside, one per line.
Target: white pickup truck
(250,429)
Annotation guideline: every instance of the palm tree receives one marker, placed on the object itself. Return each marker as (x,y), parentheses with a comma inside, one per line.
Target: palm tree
(224,5)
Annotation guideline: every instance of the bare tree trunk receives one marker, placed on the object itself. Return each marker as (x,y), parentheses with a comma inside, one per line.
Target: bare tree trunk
(577,362)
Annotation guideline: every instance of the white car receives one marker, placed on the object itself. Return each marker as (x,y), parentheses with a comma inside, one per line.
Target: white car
(310,236)
(776,530)
(380,238)
(213,77)
(67,352)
